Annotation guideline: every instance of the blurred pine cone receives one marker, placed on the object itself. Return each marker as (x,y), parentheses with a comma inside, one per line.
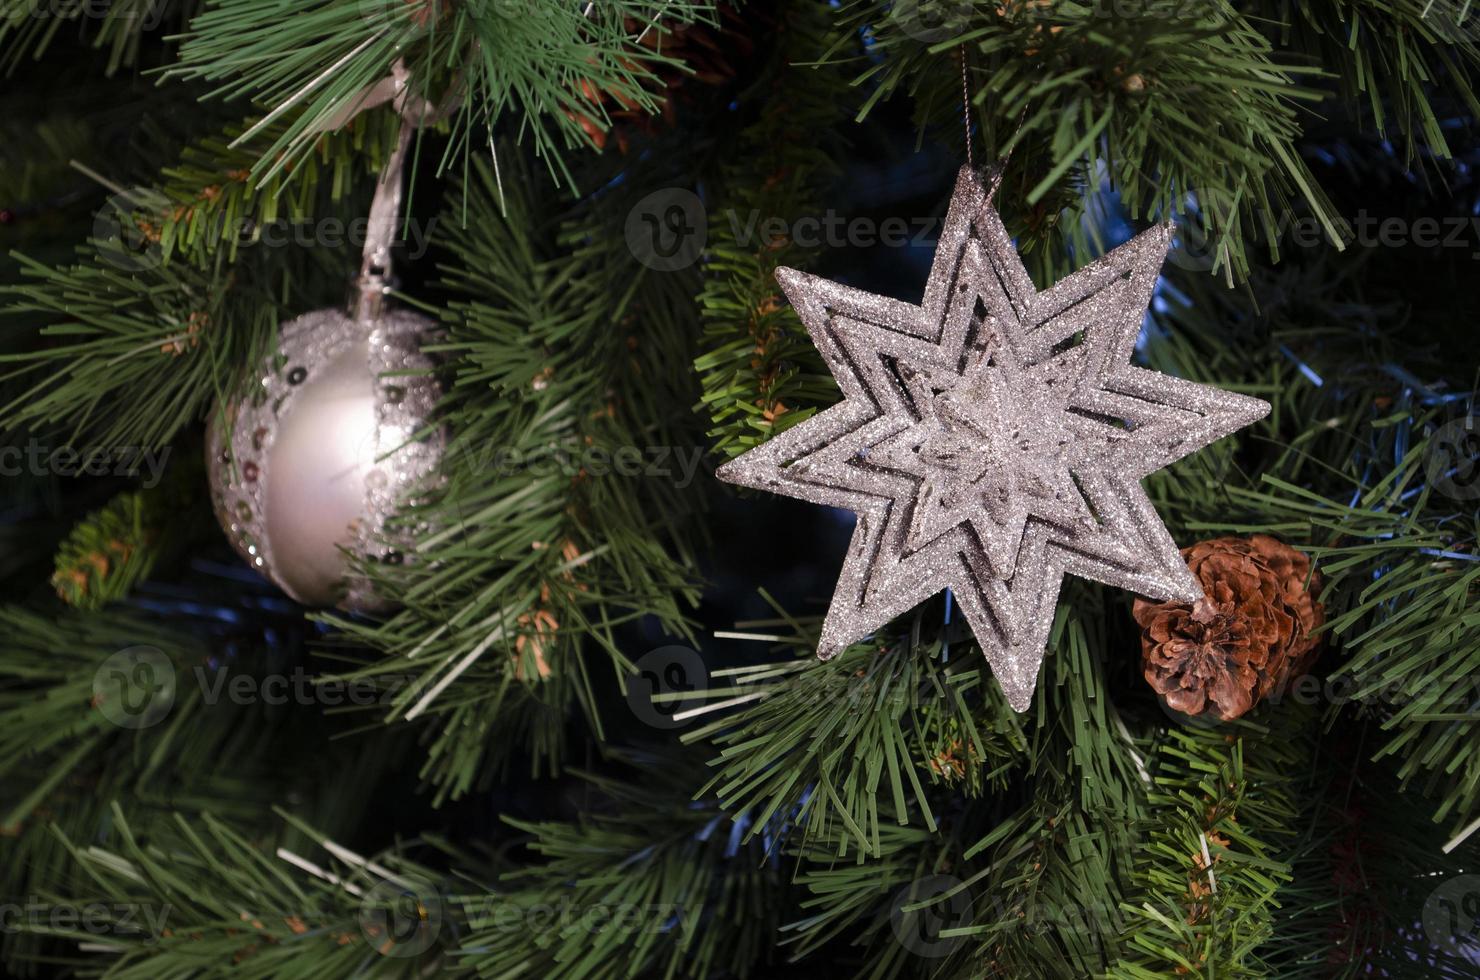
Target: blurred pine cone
(1250,634)
(708,55)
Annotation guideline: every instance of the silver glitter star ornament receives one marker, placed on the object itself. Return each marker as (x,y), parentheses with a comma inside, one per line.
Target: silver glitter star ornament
(992,438)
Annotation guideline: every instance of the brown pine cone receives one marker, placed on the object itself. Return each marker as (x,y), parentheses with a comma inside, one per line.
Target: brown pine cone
(706,52)
(1249,634)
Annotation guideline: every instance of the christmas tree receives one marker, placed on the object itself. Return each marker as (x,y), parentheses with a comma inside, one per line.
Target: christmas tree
(377,601)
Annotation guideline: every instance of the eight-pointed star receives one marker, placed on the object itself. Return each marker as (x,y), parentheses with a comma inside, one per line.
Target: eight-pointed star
(992,438)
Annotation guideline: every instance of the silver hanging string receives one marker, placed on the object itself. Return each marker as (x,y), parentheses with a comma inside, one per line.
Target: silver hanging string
(375,278)
(380,232)
(966,107)
(415,111)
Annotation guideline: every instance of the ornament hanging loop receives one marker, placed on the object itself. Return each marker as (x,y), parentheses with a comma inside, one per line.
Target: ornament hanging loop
(376,277)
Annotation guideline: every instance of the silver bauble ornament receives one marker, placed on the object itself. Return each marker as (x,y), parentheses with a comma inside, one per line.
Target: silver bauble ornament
(314,459)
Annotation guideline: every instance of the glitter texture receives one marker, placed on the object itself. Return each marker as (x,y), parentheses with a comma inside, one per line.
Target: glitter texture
(992,438)
(320,454)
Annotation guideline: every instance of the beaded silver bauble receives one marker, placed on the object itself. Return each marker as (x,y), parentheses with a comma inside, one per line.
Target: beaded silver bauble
(312,462)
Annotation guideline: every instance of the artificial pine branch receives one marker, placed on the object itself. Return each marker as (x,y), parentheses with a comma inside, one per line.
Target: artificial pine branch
(558,353)
(1399,65)
(211,203)
(1346,476)
(1177,100)
(541,63)
(112,549)
(232,907)
(1208,873)
(759,370)
(1096,836)
(27,27)
(686,890)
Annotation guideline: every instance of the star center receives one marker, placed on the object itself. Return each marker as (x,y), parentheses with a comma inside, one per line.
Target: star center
(988,449)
